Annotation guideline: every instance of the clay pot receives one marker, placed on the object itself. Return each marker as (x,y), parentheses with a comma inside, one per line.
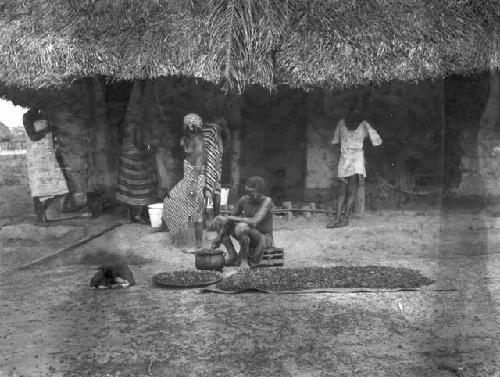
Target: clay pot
(209,259)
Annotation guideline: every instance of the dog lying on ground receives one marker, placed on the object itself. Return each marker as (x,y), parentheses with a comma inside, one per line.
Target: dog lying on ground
(110,275)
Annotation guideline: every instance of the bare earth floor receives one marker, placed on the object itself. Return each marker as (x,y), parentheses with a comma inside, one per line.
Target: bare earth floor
(53,324)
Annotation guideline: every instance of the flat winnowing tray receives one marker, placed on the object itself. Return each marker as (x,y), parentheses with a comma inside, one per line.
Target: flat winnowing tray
(186,279)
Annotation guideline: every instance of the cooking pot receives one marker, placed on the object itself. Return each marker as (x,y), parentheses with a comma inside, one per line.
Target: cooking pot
(209,259)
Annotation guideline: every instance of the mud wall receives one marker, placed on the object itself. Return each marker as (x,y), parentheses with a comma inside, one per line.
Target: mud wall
(274,134)
(267,130)
(473,133)
(429,130)
(88,146)
(15,198)
(409,118)
(285,136)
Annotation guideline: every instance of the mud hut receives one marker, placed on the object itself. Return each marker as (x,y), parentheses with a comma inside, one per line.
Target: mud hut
(281,72)
(5,134)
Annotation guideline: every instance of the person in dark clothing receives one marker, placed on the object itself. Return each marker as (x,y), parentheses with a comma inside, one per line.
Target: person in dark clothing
(109,275)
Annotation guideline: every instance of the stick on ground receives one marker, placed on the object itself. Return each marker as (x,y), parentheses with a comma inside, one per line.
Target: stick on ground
(68,248)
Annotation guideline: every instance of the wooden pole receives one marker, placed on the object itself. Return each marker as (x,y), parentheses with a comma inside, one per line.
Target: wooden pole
(235,148)
(82,241)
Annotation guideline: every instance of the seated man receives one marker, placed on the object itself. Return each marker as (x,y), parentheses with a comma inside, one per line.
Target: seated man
(251,223)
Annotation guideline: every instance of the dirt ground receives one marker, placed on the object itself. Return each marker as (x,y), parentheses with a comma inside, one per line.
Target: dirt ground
(53,324)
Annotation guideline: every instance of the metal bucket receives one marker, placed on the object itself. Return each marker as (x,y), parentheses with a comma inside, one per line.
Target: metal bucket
(155,214)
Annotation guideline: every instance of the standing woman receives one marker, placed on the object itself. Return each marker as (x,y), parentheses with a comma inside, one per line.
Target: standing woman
(185,203)
(137,172)
(46,179)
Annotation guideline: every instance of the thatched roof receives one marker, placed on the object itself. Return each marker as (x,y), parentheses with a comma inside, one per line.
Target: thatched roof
(301,43)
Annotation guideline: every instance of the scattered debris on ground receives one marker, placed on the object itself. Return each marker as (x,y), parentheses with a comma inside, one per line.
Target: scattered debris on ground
(52,323)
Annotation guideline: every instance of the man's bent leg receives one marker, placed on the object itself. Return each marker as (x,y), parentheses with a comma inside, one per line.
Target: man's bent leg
(259,243)
(244,242)
(252,242)
(233,257)
(242,234)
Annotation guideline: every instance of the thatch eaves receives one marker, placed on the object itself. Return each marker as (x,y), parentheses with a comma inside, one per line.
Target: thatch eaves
(301,43)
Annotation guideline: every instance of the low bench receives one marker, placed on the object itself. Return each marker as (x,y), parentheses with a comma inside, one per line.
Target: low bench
(273,256)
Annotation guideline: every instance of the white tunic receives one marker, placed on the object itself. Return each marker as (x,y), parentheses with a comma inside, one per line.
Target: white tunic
(45,176)
(352,159)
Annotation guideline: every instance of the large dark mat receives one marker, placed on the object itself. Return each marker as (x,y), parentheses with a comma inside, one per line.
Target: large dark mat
(186,279)
(316,279)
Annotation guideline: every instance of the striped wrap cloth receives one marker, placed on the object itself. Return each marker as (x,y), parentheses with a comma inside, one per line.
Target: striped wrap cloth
(213,151)
(136,177)
(185,203)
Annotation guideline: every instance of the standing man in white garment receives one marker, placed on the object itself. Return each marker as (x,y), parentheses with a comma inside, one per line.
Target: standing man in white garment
(350,133)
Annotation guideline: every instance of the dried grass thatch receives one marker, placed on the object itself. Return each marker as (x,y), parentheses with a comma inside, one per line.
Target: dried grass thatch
(234,43)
